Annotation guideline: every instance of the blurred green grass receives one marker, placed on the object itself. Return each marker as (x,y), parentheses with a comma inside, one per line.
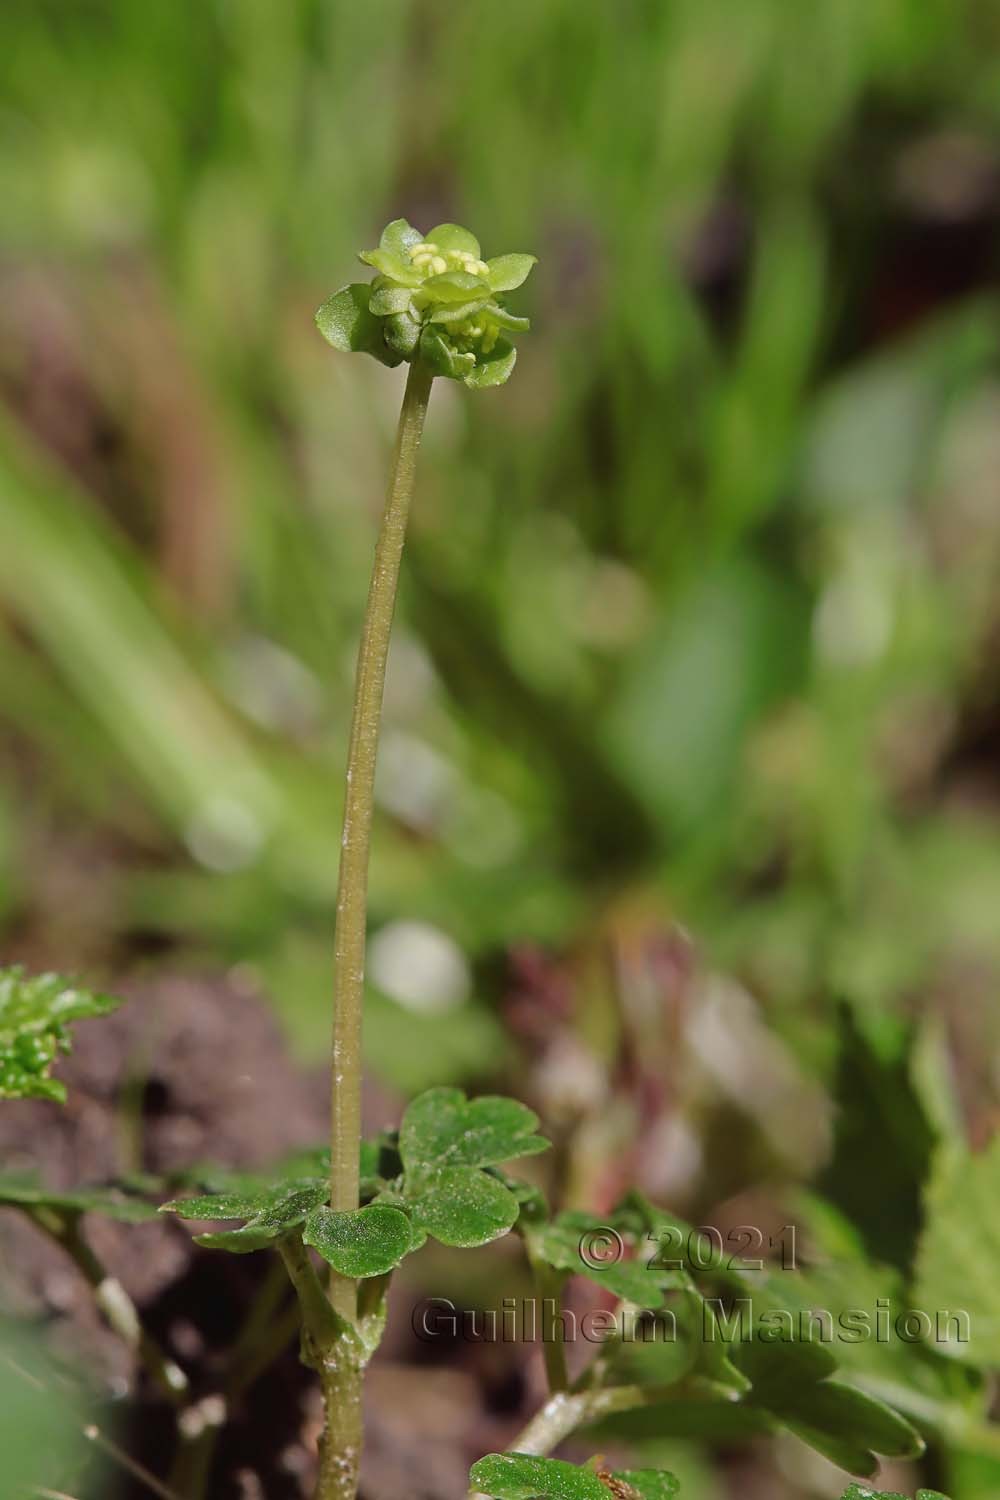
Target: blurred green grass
(701,609)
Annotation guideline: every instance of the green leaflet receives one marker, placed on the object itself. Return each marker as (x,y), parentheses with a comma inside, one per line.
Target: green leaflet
(441,1128)
(369,1242)
(270,1214)
(522,1476)
(35,1012)
(959,1248)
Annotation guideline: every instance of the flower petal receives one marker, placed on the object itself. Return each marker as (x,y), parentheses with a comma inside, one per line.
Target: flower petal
(453,237)
(442,357)
(392,265)
(509,271)
(399,238)
(454,286)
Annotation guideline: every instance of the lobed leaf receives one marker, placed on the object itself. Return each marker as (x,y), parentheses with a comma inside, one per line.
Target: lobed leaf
(270,1213)
(368,1242)
(461,1206)
(442,1128)
(35,1012)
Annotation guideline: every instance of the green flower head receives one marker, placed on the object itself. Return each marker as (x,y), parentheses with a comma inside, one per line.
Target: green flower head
(434,299)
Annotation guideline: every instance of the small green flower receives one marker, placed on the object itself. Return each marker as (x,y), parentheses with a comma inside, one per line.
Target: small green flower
(435,299)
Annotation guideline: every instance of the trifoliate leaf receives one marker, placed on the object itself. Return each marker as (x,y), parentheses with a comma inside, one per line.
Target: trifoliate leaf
(453,237)
(269,1214)
(506,272)
(959,1250)
(347,323)
(493,368)
(368,1242)
(27,1194)
(35,1011)
(460,1205)
(443,1128)
(522,1476)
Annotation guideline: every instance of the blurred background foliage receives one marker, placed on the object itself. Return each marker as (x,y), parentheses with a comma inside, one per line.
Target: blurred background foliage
(700,624)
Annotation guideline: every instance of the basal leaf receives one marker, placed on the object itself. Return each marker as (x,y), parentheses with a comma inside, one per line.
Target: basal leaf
(114,1203)
(959,1249)
(509,271)
(368,1242)
(35,1012)
(461,1205)
(442,1128)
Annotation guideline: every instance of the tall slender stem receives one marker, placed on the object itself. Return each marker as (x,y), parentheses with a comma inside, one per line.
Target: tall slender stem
(352,893)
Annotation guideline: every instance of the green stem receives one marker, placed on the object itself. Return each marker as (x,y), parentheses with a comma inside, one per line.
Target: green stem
(564,1412)
(352,893)
(549,1287)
